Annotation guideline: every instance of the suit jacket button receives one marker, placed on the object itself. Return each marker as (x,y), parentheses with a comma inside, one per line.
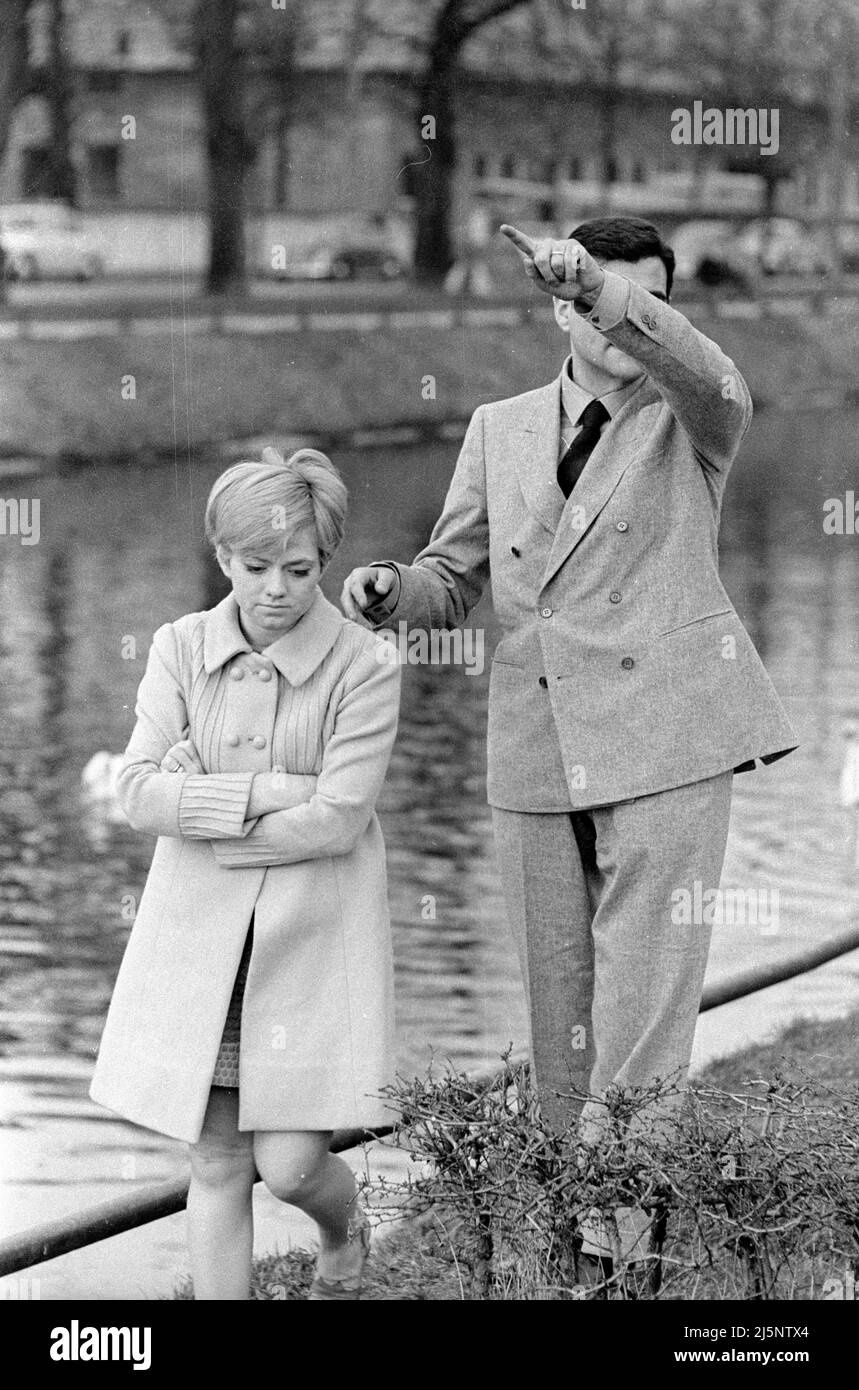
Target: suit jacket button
(258,742)
(545,612)
(614,598)
(543,682)
(627,663)
(623,526)
(232,740)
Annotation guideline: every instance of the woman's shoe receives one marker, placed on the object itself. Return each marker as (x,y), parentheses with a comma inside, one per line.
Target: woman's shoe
(329,1290)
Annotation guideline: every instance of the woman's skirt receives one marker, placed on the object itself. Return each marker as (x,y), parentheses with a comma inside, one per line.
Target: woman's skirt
(226,1071)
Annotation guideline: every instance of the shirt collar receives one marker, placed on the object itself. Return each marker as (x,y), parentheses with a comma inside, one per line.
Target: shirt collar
(574,398)
(296,654)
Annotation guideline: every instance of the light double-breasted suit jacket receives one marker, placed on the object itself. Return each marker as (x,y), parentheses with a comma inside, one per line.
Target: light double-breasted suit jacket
(623,668)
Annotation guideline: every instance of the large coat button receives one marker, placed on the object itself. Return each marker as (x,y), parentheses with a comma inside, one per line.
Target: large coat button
(627,663)
(264,674)
(232,740)
(614,598)
(236,674)
(259,741)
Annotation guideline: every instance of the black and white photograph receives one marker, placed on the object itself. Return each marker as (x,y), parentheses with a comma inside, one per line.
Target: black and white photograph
(429,662)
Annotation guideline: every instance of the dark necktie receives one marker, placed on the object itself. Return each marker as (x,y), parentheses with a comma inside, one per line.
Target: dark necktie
(592,419)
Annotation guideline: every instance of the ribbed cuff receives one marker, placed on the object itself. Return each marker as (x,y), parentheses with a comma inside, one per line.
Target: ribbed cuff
(242,854)
(214,805)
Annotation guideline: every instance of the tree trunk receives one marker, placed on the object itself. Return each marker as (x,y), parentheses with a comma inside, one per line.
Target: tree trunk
(608,120)
(62,178)
(14,74)
(838,122)
(434,177)
(229,150)
(608,148)
(281,163)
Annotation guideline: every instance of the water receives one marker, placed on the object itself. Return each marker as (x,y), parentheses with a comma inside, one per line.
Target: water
(120,553)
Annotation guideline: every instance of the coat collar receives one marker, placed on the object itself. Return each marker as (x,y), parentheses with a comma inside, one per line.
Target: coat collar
(296,654)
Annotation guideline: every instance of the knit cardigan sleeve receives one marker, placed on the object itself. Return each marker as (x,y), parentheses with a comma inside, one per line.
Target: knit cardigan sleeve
(197,806)
(354,764)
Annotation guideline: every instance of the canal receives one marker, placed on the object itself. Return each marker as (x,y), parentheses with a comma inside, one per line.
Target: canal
(121,551)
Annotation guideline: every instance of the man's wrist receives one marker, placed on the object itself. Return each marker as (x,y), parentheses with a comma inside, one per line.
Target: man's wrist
(610,305)
(588,298)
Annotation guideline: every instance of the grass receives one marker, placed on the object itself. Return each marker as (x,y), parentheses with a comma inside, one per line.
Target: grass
(212,387)
(431,1255)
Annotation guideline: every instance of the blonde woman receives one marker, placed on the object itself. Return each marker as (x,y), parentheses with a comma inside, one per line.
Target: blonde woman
(252,1015)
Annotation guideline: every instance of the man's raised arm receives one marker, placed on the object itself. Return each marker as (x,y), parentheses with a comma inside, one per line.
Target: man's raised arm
(703,387)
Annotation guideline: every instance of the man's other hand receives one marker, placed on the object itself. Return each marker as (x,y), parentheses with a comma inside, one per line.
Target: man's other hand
(560,268)
(364,587)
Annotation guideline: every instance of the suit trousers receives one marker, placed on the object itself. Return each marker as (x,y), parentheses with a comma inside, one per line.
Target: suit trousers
(613,982)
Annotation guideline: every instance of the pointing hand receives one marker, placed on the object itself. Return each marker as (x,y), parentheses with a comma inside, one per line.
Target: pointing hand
(364,587)
(560,268)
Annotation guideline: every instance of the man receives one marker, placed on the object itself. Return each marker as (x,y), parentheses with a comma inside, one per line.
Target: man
(625,691)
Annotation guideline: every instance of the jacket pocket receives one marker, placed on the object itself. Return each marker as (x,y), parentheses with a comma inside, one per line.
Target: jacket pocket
(693,623)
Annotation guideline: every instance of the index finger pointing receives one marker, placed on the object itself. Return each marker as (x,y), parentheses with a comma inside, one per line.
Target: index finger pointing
(523,243)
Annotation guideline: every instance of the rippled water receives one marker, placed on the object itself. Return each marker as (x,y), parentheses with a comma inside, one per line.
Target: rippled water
(120,553)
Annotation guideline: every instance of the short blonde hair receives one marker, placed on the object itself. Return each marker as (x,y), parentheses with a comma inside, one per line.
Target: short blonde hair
(255,507)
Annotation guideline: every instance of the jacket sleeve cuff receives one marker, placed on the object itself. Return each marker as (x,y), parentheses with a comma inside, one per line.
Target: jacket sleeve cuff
(384,607)
(611,303)
(212,806)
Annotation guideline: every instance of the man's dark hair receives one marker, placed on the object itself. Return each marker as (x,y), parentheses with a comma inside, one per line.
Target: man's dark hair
(625,239)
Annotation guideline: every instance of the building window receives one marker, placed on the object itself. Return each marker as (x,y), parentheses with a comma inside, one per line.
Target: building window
(36,172)
(546,171)
(508,167)
(103,83)
(639,173)
(479,166)
(103,172)
(574,170)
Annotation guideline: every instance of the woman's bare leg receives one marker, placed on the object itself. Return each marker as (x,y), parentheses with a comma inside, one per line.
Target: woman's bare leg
(296,1166)
(220,1215)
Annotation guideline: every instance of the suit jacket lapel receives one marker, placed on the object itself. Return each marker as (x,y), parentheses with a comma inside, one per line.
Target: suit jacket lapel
(537,457)
(620,444)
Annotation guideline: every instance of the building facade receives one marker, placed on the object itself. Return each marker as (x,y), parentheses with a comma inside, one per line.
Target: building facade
(349,138)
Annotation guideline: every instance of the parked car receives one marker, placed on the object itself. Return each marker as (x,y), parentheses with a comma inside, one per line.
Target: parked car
(782,246)
(346,263)
(704,251)
(718,252)
(44,240)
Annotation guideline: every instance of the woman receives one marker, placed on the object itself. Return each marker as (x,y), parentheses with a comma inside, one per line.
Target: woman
(252,1015)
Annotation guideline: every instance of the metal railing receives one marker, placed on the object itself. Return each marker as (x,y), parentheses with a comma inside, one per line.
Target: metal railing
(111,1218)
